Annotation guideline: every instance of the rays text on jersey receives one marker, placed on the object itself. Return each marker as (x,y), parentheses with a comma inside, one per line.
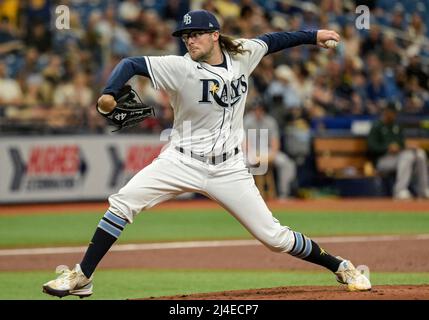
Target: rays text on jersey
(212,89)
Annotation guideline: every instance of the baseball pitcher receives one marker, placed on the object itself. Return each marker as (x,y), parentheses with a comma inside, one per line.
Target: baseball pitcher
(207,89)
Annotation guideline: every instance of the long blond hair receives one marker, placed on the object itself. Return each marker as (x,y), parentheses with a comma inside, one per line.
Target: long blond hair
(227,43)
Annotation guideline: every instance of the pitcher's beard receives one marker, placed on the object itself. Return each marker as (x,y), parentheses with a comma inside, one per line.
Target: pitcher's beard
(201,56)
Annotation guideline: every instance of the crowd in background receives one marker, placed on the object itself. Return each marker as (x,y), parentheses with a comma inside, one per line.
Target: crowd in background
(50,78)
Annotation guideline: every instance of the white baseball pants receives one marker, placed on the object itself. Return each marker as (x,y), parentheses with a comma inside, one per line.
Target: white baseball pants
(228,183)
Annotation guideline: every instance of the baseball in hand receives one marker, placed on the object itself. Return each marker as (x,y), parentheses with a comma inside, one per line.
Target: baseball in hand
(331,43)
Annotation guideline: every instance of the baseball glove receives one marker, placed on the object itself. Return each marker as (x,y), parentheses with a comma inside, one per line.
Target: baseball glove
(128,111)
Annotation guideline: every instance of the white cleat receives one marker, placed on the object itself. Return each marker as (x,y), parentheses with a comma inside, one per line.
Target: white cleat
(403,195)
(349,275)
(426,194)
(69,282)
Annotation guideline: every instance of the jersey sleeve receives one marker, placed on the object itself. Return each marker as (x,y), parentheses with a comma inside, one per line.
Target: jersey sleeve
(167,72)
(277,41)
(256,51)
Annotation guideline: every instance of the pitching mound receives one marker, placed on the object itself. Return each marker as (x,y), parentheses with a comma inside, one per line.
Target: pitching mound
(403,292)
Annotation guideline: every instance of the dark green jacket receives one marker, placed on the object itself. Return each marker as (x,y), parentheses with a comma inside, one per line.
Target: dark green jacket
(381,135)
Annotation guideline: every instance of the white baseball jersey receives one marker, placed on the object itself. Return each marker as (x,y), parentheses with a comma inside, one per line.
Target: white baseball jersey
(208,101)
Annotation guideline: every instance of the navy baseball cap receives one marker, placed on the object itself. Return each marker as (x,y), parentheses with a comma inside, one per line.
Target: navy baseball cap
(197,20)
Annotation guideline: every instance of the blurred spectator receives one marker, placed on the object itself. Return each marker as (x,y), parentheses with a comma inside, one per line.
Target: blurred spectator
(161,42)
(309,15)
(37,10)
(400,80)
(417,28)
(386,145)
(129,11)
(331,6)
(9,40)
(282,94)
(358,82)
(175,9)
(72,100)
(32,93)
(297,134)
(356,105)
(11,96)
(10,9)
(258,120)
(92,41)
(76,94)
(415,97)
(373,42)
(323,97)
(73,59)
(28,66)
(417,35)
(39,36)
(114,37)
(415,69)
(153,36)
(376,92)
(32,111)
(350,41)
(52,74)
(228,8)
(252,20)
(391,53)
(304,84)
(263,74)
(397,20)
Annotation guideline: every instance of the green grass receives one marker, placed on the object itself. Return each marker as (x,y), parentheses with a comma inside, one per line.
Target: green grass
(153,226)
(180,225)
(125,284)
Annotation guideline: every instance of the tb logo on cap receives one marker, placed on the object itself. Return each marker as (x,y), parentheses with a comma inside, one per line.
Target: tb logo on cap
(187,19)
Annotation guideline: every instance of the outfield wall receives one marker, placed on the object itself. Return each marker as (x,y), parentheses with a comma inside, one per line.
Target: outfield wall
(71,168)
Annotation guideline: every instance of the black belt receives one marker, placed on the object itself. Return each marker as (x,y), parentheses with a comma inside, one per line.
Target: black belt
(211,159)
